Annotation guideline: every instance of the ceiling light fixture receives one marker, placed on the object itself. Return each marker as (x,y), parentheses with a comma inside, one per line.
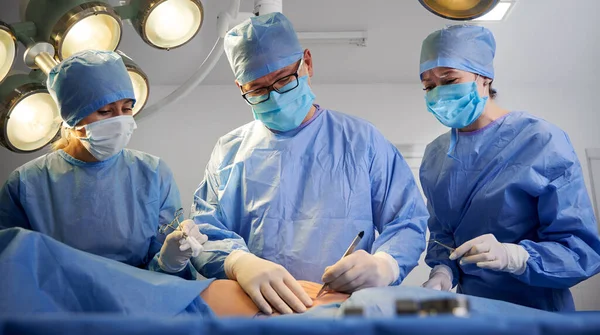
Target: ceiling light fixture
(460,10)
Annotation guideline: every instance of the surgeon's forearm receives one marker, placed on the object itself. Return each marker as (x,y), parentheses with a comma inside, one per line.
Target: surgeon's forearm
(554,265)
(405,246)
(211,262)
(221,242)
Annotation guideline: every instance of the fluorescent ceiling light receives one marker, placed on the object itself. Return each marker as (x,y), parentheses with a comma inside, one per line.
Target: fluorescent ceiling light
(358,38)
(498,13)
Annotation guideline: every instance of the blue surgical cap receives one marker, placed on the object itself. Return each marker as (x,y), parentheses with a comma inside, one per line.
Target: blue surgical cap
(261,45)
(86,81)
(461,47)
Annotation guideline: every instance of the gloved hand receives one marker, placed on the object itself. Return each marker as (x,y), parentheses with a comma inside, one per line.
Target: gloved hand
(174,256)
(190,243)
(266,281)
(194,240)
(440,278)
(191,229)
(361,270)
(488,253)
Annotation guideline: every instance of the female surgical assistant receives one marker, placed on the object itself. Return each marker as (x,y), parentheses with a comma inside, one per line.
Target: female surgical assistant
(504,188)
(90,192)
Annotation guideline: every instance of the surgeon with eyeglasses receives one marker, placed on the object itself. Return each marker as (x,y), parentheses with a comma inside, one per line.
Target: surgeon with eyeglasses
(285,195)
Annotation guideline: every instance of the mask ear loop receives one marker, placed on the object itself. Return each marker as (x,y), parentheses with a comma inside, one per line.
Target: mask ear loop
(484,85)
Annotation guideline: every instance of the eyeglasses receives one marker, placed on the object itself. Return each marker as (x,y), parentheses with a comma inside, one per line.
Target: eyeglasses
(281,86)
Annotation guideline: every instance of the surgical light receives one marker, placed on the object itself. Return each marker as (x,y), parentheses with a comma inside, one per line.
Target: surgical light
(72,26)
(8,49)
(460,10)
(498,13)
(29,118)
(167,24)
(141,88)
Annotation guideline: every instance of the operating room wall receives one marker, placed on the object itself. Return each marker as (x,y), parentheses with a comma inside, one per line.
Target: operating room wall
(185,133)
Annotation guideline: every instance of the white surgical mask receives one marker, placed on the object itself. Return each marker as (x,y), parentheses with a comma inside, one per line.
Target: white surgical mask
(108,137)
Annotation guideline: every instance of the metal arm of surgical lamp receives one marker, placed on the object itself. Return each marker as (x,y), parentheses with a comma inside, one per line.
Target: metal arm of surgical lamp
(39,55)
(225,21)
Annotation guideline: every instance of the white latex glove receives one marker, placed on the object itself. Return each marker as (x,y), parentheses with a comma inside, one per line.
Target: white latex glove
(192,229)
(361,270)
(440,278)
(266,283)
(488,253)
(172,259)
(195,239)
(190,243)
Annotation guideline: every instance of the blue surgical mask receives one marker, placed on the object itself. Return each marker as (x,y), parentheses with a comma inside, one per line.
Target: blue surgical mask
(456,105)
(284,112)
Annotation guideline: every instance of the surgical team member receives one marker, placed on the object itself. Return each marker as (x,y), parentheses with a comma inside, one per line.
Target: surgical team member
(91,193)
(285,195)
(505,187)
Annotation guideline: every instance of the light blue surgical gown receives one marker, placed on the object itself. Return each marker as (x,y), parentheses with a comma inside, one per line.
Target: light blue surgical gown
(299,198)
(111,208)
(519,179)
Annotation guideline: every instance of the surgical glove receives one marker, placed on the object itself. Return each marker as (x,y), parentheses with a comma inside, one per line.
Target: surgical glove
(194,240)
(488,253)
(192,244)
(192,229)
(361,270)
(440,278)
(172,259)
(266,283)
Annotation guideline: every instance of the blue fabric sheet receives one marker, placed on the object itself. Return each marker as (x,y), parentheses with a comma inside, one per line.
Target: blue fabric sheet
(42,275)
(586,323)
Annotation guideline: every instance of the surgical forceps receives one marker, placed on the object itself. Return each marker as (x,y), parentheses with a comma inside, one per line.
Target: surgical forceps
(443,245)
(175,224)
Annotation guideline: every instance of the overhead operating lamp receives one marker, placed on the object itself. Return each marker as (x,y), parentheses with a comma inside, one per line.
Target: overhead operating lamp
(8,49)
(460,10)
(72,26)
(164,24)
(141,88)
(29,117)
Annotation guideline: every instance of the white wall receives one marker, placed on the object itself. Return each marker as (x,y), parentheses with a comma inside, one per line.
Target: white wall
(593,157)
(185,134)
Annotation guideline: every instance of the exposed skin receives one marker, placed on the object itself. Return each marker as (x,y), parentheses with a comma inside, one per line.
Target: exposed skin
(306,69)
(446,76)
(118,108)
(226,298)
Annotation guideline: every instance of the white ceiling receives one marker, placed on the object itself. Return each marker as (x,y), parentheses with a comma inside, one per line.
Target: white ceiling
(541,41)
